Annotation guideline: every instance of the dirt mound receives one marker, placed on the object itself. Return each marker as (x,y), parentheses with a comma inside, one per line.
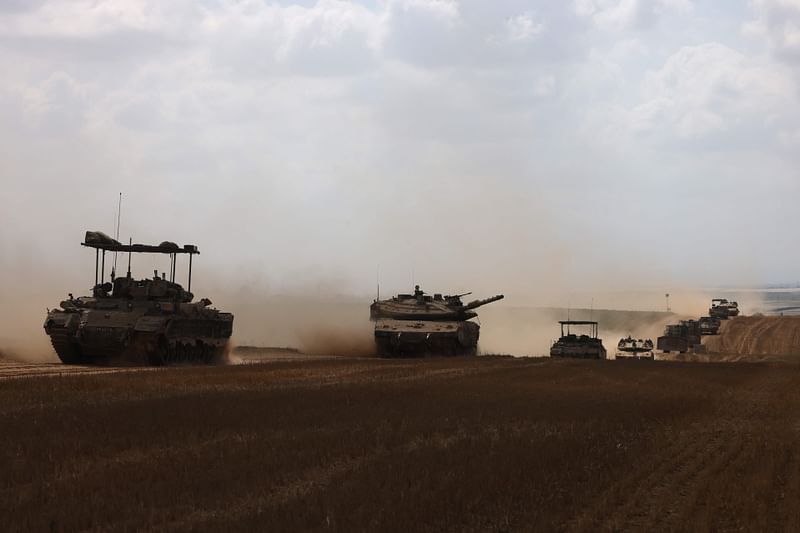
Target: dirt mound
(757,336)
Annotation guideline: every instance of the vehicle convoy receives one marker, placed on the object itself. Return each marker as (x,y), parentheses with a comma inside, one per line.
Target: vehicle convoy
(409,325)
(723,309)
(681,337)
(579,346)
(635,348)
(152,321)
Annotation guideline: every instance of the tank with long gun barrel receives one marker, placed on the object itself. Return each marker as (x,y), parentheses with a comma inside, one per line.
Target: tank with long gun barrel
(480,303)
(419,324)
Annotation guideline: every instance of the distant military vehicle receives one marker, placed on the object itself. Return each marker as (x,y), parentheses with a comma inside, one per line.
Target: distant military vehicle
(151,321)
(709,325)
(635,348)
(681,337)
(723,309)
(417,324)
(579,346)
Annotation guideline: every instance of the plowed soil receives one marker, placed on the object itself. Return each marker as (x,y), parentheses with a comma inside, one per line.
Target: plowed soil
(481,444)
(757,337)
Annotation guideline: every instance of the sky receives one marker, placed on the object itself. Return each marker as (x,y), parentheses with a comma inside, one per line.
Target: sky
(504,146)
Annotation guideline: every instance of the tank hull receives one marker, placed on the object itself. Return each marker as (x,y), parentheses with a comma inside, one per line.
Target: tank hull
(723,309)
(421,338)
(138,335)
(723,313)
(635,355)
(680,344)
(709,325)
(578,350)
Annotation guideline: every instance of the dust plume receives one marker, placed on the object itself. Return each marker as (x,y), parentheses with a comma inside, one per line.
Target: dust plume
(332,317)
(531,331)
(328,340)
(315,320)
(22,336)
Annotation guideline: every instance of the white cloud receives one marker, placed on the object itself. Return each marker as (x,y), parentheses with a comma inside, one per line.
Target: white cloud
(523,27)
(627,14)
(443,9)
(360,120)
(707,89)
(86,18)
(779,22)
(544,85)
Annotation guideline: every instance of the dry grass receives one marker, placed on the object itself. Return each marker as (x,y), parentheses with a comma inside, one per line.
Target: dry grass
(488,444)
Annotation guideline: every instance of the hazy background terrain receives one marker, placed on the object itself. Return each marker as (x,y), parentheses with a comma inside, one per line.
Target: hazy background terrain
(595,153)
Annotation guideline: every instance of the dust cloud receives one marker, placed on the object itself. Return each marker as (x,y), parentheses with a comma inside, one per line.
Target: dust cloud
(328,319)
(314,321)
(531,331)
(327,323)
(22,335)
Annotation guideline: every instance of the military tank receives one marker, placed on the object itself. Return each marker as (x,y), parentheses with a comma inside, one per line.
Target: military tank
(415,325)
(635,348)
(709,325)
(723,309)
(141,321)
(580,346)
(681,337)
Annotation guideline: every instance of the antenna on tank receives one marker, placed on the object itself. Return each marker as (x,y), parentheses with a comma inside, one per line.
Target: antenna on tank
(378,282)
(130,243)
(116,234)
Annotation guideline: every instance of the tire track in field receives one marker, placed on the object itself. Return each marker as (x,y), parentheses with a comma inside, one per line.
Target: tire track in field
(657,498)
(308,482)
(16,370)
(668,492)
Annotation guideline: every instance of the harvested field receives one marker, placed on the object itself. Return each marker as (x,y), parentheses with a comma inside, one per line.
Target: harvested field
(484,444)
(753,337)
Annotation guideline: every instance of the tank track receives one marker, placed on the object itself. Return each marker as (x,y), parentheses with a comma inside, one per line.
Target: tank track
(66,349)
(176,353)
(434,348)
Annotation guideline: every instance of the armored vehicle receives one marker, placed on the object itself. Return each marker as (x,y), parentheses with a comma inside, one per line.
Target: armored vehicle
(723,309)
(709,325)
(126,320)
(417,324)
(635,348)
(681,337)
(579,346)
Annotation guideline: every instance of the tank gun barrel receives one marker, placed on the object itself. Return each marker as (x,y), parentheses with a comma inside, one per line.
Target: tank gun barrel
(477,303)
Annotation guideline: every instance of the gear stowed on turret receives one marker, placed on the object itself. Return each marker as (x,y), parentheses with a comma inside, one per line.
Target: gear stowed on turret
(152,321)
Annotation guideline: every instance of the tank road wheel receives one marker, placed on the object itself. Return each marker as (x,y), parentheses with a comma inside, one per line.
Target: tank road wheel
(67,350)
(215,355)
(159,354)
(204,353)
(383,347)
